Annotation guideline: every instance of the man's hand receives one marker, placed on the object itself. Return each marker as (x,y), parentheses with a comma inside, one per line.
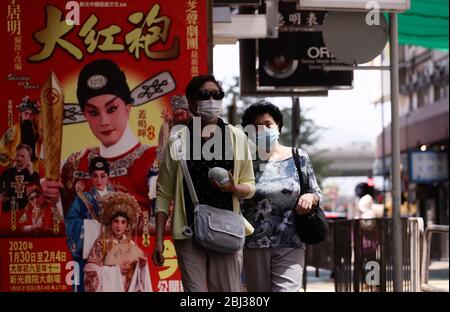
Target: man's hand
(50,190)
(30,168)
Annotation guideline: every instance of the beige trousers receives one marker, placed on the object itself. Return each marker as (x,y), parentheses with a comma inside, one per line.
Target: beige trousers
(273,269)
(206,270)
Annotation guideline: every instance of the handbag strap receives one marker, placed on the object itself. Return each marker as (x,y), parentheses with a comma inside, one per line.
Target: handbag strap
(296,157)
(187,176)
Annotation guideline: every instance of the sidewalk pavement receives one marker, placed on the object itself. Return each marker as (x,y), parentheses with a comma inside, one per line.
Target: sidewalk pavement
(439,277)
(323,283)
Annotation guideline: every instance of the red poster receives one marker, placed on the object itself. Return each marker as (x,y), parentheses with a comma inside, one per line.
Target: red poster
(34,264)
(55,54)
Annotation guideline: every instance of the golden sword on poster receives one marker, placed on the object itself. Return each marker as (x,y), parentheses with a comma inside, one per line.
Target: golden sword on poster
(146,232)
(52,101)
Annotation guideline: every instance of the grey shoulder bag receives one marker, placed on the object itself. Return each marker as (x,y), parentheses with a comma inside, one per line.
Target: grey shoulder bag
(216,229)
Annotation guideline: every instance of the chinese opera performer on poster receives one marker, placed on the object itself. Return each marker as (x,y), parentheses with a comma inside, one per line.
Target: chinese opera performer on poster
(89,90)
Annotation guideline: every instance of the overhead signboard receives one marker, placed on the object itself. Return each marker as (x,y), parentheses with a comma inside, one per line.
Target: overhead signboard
(428,167)
(360,5)
(238,2)
(298,56)
(248,74)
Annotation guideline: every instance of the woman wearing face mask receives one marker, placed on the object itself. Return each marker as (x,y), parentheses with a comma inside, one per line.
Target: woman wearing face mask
(274,255)
(211,143)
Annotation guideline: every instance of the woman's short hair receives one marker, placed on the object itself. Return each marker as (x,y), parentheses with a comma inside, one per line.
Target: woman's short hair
(261,108)
(196,83)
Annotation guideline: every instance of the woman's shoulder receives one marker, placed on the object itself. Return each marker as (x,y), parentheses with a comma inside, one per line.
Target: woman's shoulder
(302,152)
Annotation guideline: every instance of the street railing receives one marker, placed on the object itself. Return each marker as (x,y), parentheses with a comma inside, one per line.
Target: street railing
(359,253)
(431,229)
(416,231)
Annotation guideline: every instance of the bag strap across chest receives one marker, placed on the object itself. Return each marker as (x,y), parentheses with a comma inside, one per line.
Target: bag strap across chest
(178,144)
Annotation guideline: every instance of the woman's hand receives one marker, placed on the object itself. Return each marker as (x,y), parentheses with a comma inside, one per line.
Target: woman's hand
(306,203)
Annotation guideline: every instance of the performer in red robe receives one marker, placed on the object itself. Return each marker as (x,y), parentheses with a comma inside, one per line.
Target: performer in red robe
(38,216)
(130,163)
(104,97)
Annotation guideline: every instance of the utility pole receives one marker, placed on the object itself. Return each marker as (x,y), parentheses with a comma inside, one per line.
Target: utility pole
(383,139)
(397,244)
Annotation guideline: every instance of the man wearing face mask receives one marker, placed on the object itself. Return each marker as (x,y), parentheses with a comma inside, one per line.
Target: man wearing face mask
(26,131)
(203,269)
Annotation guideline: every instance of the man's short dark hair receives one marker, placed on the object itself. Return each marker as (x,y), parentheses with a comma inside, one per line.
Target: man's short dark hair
(196,83)
(261,108)
(25,147)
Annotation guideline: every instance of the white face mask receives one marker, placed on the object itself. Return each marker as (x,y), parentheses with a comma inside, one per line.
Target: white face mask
(209,110)
(268,138)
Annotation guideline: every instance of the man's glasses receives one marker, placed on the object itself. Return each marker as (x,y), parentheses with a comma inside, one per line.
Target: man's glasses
(203,95)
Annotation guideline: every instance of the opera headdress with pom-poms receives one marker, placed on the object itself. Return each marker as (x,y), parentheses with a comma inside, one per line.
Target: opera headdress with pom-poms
(119,204)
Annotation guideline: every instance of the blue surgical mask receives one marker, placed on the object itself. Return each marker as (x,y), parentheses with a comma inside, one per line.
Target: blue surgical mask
(267,139)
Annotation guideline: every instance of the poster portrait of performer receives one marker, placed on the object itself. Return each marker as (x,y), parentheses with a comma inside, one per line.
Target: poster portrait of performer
(180,116)
(115,262)
(26,131)
(13,180)
(180,107)
(82,220)
(83,94)
(39,217)
(105,99)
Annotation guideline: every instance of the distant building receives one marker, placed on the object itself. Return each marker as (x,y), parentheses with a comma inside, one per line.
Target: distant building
(424,135)
(346,166)
(353,159)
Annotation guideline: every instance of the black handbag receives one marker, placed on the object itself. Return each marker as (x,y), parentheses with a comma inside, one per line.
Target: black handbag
(313,227)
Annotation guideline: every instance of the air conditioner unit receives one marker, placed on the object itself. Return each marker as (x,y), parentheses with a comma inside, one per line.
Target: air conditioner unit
(355,5)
